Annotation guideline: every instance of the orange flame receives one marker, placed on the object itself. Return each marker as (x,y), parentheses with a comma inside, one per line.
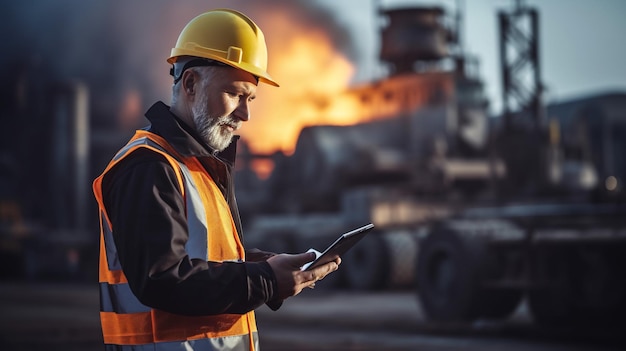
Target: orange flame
(311,73)
(315,89)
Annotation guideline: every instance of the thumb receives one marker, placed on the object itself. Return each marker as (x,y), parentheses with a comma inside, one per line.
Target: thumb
(301,259)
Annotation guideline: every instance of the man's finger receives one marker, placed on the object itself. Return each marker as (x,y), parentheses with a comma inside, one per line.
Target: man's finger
(300,259)
(320,272)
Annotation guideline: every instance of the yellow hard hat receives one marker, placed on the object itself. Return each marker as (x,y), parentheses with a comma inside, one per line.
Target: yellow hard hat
(226,36)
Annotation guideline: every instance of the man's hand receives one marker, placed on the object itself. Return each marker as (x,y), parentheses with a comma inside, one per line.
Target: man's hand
(291,280)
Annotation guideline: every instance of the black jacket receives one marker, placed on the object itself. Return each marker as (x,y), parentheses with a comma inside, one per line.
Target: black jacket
(146,208)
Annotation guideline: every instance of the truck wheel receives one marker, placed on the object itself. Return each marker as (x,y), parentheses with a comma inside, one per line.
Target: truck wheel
(499,303)
(599,287)
(551,302)
(583,286)
(447,267)
(499,264)
(366,265)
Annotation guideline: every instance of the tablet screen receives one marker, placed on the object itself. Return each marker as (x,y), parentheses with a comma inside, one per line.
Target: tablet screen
(339,247)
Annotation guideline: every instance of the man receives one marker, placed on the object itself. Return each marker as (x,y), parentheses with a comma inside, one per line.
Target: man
(173,271)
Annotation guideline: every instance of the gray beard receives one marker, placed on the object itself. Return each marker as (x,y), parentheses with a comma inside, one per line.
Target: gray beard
(210,127)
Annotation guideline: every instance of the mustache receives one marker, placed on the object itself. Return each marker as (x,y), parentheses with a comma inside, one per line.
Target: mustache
(230,121)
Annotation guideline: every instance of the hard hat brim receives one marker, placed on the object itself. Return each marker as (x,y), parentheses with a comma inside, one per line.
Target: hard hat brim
(255,71)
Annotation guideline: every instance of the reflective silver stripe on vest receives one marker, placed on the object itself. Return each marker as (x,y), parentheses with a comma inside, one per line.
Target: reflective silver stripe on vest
(229,343)
(124,150)
(113,261)
(119,298)
(197,245)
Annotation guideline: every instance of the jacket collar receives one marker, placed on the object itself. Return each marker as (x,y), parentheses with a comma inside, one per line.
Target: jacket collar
(184,139)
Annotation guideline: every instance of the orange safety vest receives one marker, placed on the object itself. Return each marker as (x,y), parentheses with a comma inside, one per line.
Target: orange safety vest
(127,324)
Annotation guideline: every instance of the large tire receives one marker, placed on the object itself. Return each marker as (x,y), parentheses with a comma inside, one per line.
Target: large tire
(366,265)
(551,303)
(383,260)
(579,287)
(448,268)
(500,263)
(499,303)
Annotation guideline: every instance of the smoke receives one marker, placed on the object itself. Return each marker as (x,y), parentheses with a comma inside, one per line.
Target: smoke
(119,47)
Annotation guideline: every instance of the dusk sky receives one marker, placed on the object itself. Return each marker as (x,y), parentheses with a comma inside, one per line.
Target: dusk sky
(318,48)
(582,47)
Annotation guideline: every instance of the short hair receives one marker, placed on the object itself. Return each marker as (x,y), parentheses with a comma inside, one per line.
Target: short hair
(203,71)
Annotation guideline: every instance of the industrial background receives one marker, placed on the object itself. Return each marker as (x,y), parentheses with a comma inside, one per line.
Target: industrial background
(494,174)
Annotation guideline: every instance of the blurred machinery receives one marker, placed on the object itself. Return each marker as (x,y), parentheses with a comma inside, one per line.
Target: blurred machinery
(51,148)
(44,197)
(475,212)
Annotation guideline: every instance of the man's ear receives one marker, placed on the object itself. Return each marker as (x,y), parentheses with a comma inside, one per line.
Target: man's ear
(189,82)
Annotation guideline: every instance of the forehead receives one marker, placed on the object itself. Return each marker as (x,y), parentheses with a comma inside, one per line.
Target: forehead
(231,75)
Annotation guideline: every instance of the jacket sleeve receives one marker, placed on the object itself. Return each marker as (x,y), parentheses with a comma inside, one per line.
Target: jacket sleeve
(147,212)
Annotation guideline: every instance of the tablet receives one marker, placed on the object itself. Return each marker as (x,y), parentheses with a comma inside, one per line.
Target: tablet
(339,247)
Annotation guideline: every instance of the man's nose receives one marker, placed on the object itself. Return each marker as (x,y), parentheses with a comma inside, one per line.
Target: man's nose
(243,111)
